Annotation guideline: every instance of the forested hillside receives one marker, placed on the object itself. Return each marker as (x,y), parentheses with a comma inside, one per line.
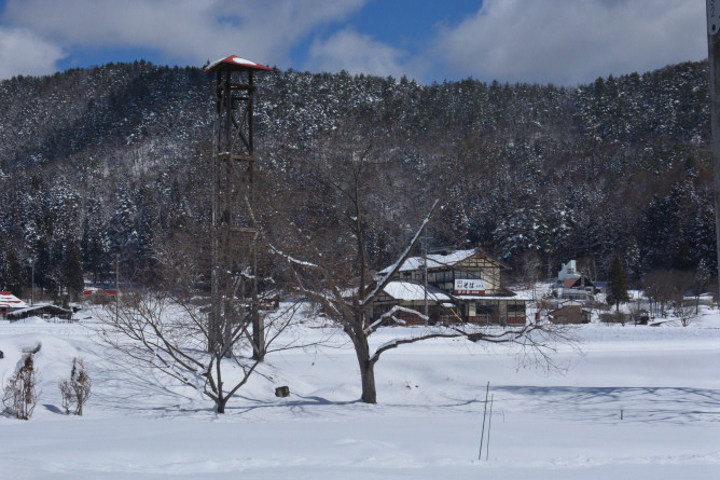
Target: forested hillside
(113,161)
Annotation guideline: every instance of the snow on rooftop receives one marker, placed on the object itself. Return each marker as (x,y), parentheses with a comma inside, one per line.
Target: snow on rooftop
(238,61)
(434,260)
(8,300)
(243,61)
(409,291)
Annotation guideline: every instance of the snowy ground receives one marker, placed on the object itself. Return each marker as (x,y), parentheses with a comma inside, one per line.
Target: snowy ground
(665,380)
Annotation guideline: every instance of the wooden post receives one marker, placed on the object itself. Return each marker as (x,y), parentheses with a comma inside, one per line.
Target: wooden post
(713,27)
(482,434)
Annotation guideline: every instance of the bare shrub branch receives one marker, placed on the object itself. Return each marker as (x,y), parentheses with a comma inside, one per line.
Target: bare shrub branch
(76,390)
(19,396)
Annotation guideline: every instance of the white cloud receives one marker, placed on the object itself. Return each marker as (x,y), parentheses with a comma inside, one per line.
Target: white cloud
(560,41)
(182,30)
(572,41)
(24,53)
(356,53)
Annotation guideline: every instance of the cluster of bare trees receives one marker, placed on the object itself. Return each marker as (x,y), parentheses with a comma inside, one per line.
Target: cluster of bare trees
(301,257)
(667,291)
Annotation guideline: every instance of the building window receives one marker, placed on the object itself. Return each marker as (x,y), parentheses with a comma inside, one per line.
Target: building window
(516,307)
(468,275)
(444,276)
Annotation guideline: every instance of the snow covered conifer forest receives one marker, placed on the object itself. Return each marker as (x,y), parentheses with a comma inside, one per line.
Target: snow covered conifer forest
(113,161)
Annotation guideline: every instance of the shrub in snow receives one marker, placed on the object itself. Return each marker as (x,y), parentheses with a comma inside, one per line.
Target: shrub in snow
(75,391)
(19,397)
(615,317)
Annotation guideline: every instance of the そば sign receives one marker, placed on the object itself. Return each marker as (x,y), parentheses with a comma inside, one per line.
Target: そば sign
(469,287)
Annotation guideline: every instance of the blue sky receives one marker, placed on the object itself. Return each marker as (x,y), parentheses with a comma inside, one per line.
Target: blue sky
(565,42)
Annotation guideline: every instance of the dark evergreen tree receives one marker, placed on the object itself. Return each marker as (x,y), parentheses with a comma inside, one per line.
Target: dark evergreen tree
(11,277)
(72,270)
(617,283)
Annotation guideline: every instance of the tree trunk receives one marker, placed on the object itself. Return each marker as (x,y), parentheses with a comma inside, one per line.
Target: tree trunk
(258,322)
(367,374)
(367,370)
(220,403)
(258,335)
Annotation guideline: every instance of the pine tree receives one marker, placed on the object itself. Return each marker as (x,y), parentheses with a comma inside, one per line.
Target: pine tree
(72,270)
(617,283)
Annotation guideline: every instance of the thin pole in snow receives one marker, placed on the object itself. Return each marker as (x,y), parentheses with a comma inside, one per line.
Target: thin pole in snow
(487,446)
(425,278)
(482,434)
(32,285)
(117,287)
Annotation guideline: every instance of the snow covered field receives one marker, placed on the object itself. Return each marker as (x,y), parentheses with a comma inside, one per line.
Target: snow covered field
(665,380)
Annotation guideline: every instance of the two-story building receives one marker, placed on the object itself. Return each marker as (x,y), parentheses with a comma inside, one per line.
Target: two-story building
(470,284)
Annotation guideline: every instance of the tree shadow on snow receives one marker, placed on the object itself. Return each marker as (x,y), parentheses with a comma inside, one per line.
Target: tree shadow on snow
(53,408)
(678,405)
(296,403)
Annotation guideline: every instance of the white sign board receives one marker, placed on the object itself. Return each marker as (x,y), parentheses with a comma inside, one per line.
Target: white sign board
(713,16)
(469,287)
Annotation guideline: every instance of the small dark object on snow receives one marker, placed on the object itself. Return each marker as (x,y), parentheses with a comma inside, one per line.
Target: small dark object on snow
(2,355)
(283,391)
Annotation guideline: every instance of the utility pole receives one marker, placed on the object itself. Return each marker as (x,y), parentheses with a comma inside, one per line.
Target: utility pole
(425,278)
(117,287)
(32,284)
(713,28)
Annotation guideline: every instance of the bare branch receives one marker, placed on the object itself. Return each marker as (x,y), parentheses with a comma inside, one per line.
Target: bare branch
(444,333)
(390,315)
(167,336)
(396,266)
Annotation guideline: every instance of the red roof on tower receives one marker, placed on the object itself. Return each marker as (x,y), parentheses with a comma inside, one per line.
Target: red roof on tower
(233,62)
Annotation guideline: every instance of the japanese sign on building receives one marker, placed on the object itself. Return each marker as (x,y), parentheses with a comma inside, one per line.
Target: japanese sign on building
(469,287)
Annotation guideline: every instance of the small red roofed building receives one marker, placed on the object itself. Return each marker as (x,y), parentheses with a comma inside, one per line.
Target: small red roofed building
(9,303)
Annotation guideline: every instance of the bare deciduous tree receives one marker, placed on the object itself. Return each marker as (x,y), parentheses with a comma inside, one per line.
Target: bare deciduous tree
(668,287)
(339,279)
(352,309)
(168,330)
(171,335)
(686,312)
(588,267)
(529,274)
(659,286)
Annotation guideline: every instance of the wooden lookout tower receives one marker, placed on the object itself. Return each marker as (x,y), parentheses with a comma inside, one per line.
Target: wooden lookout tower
(234,261)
